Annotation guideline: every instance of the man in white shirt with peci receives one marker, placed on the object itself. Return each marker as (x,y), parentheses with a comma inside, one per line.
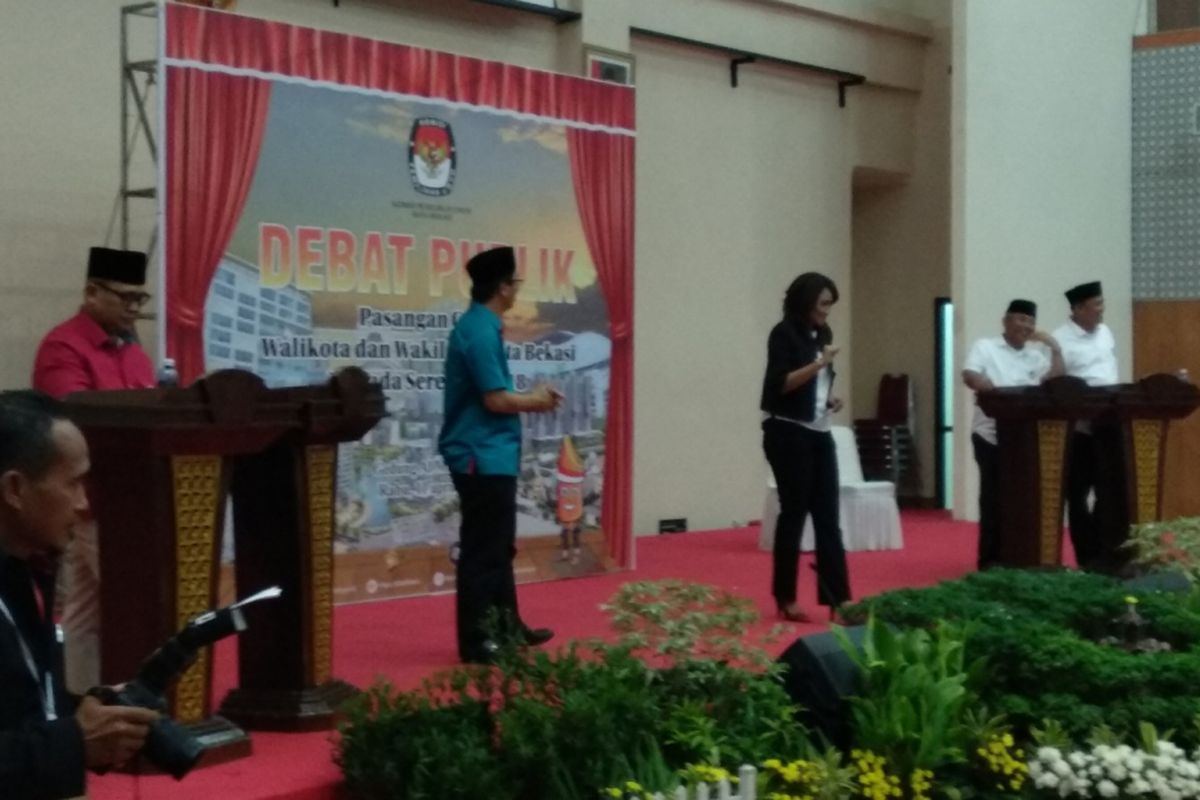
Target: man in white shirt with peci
(1089,352)
(993,363)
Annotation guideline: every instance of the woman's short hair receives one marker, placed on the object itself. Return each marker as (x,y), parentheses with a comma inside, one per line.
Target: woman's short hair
(802,296)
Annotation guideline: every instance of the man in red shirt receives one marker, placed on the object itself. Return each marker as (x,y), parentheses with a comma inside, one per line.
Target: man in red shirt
(94,350)
(97,348)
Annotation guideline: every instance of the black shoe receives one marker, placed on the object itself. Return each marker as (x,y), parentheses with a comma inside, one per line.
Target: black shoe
(537,636)
(485,653)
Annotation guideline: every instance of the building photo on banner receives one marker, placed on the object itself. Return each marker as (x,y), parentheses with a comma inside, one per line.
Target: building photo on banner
(356,208)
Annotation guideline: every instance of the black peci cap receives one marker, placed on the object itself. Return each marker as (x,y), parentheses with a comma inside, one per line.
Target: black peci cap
(1026,307)
(123,266)
(1083,292)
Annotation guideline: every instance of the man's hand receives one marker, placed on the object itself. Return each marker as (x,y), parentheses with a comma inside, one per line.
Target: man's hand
(829,353)
(835,405)
(1044,338)
(546,397)
(112,734)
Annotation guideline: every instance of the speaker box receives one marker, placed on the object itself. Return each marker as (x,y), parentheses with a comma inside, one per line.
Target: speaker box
(819,676)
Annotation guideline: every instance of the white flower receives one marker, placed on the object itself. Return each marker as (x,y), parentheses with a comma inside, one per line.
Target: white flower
(1062,768)
(1135,763)
(1138,786)
(1077,759)
(1048,754)
(1169,749)
(1107,789)
(1117,772)
(1047,780)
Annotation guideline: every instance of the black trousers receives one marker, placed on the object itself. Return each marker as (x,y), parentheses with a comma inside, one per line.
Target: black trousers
(987,456)
(487,546)
(806,474)
(1083,519)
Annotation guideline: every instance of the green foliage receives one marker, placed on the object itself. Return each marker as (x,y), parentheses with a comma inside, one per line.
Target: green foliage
(679,688)
(1051,734)
(1174,544)
(434,751)
(576,724)
(915,689)
(718,714)
(1038,632)
(671,621)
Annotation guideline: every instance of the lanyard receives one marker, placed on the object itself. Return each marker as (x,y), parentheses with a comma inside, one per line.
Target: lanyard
(45,685)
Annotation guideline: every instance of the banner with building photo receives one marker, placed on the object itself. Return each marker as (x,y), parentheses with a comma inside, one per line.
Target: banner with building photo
(323,193)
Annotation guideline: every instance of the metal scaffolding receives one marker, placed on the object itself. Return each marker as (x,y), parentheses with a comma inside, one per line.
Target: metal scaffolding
(139,92)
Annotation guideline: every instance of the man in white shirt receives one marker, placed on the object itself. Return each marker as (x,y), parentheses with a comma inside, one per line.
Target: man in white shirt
(1089,352)
(992,363)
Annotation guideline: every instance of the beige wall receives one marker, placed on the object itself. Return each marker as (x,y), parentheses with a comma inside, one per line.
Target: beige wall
(901,259)
(738,189)
(743,211)
(1041,171)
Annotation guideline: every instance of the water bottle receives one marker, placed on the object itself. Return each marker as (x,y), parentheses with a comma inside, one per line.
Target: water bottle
(1184,376)
(167,374)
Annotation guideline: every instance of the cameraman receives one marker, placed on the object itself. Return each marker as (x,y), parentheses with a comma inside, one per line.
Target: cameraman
(47,738)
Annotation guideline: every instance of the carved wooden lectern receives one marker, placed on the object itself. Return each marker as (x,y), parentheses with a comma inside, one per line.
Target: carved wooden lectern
(163,463)
(1034,424)
(285,676)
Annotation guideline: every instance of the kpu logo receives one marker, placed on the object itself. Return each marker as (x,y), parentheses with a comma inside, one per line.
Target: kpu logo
(432,159)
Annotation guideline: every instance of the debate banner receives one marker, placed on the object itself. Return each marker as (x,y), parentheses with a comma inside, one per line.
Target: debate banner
(323,193)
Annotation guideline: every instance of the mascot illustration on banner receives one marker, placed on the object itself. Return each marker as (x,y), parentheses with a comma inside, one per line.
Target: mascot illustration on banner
(569,499)
(432,159)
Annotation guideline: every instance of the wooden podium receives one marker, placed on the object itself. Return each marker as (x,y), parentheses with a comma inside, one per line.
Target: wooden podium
(163,462)
(1034,425)
(283,508)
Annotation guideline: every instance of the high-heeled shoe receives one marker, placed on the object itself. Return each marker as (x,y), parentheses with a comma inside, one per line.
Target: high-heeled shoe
(791,613)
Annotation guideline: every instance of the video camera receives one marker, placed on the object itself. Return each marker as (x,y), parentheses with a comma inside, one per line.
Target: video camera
(170,746)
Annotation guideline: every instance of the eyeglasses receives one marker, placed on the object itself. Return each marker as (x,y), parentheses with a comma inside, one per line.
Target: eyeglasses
(135,299)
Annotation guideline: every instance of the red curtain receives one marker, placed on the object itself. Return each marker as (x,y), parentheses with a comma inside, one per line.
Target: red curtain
(230,40)
(215,126)
(602,169)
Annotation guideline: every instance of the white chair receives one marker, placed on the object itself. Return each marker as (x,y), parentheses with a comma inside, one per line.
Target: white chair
(870,517)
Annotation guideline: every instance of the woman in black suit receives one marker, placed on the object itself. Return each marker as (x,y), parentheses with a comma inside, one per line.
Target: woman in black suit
(797,403)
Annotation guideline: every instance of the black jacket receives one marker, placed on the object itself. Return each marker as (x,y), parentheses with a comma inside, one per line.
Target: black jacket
(790,348)
(39,760)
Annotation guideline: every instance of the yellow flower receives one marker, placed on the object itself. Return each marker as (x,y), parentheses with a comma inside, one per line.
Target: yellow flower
(1131,600)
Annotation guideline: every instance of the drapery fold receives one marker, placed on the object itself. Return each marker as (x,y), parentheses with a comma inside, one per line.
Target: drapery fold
(215,127)
(603,173)
(230,40)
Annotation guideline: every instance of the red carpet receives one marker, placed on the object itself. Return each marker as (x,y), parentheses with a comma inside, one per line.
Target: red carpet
(405,640)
